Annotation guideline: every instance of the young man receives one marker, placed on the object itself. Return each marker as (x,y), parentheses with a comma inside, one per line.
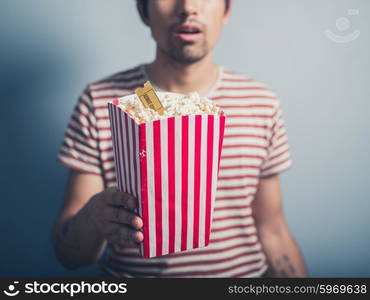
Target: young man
(249,235)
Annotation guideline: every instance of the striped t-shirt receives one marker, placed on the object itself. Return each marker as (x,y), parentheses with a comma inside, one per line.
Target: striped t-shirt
(255,145)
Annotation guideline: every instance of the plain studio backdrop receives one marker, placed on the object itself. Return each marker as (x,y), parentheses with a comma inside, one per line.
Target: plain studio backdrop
(314,54)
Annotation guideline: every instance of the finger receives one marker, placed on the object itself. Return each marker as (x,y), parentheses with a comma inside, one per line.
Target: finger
(121,199)
(123,216)
(123,235)
(138,237)
(137,222)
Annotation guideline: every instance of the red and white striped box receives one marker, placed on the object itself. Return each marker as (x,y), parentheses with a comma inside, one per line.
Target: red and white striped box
(171,167)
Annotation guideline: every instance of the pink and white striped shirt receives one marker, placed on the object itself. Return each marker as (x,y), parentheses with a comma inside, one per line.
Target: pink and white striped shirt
(255,145)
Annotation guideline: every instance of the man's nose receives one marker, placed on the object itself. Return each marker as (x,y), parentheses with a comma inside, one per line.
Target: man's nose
(188,7)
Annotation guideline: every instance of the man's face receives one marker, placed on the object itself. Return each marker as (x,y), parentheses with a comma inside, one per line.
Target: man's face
(186,30)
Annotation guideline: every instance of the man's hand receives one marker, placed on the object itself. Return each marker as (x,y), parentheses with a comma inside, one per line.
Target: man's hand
(90,217)
(113,214)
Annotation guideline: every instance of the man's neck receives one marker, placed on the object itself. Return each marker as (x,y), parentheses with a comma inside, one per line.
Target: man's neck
(172,76)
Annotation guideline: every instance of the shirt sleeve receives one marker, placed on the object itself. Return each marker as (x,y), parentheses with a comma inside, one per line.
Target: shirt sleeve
(79,148)
(278,157)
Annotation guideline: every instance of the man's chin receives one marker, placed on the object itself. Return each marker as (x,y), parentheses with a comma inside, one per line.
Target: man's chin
(185,54)
(186,57)
(187,60)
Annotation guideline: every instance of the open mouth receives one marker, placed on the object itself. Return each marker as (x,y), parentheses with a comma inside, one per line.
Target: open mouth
(188,32)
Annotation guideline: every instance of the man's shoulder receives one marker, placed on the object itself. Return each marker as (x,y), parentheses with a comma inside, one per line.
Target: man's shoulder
(126,79)
(238,79)
(240,86)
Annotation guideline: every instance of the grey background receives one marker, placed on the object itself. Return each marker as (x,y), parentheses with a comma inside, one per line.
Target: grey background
(51,49)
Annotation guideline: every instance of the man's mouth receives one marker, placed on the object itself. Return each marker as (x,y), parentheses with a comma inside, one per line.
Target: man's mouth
(188,32)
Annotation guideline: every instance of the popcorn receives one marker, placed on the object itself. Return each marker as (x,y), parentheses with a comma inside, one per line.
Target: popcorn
(174,105)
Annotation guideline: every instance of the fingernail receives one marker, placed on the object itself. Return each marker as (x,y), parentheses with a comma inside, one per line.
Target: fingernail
(135,236)
(134,222)
(138,237)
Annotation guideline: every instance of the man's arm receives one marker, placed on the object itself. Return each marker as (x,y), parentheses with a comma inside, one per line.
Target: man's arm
(75,238)
(283,255)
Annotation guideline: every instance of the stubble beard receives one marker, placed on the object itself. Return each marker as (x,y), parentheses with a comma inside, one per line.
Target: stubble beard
(186,53)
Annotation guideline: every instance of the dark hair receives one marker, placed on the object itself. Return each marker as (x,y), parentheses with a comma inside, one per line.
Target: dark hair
(144,6)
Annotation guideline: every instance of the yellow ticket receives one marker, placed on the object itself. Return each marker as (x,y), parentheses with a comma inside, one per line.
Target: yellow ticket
(149,98)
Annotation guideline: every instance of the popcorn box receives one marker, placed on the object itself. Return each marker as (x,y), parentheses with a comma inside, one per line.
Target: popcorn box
(171,167)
